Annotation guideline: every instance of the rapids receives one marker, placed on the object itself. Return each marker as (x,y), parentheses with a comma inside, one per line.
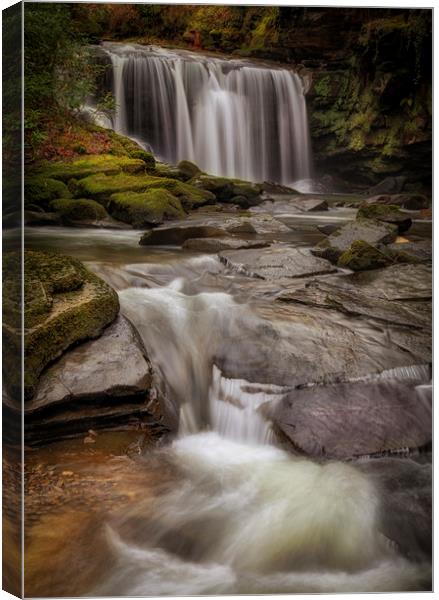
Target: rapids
(241,515)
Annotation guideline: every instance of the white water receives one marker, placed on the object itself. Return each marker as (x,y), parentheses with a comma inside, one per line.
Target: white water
(231,117)
(243,516)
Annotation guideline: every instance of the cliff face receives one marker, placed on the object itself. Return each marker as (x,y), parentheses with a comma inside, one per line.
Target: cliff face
(369,73)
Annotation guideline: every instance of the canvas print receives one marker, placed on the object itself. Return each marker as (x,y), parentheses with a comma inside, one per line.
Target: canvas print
(217,299)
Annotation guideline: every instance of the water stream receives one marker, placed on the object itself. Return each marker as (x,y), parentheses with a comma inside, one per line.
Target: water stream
(241,515)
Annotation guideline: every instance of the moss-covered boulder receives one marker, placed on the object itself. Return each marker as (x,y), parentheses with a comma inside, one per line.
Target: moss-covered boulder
(188,169)
(89,165)
(64,303)
(145,156)
(227,190)
(361,256)
(78,210)
(41,190)
(369,230)
(141,209)
(387,213)
(101,187)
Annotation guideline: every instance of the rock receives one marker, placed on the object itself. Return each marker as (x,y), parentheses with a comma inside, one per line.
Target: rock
(175,236)
(71,211)
(361,256)
(407,201)
(96,383)
(348,420)
(101,187)
(41,218)
(327,229)
(389,185)
(277,263)
(387,214)
(368,230)
(217,244)
(64,304)
(142,209)
(144,156)
(276,188)
(400,294)
(426,213)
(92,164)
(411,252)
(41,190)
(188,169)
(226,190)
(311,205)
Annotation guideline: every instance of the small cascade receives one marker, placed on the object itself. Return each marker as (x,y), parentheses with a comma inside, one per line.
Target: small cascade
(231,117)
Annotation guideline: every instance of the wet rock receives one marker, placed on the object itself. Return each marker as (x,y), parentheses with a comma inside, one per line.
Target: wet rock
(389,213)
(411,251)
(368,230)
(33,218)
(354,419)
(95,385)
(389,185)
(275,188)
(226,190)
(175,236)
(327,229)
(361,256)
(188,169)
(217,244)
(277,263)
(400,294)
(311,205)
(407,201)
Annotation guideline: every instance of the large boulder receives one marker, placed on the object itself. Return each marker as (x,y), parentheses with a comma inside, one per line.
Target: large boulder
(188,169)
(361,256)
(142,209)
(64,303)
(368,230)
(389,185)
(276,263)
(354,419)
(81,210)
(40,190)
(389,213)
(95,385)
(411,251)
(229,190)
(407,201)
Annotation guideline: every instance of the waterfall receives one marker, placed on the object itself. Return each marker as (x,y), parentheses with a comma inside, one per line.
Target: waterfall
(231,117)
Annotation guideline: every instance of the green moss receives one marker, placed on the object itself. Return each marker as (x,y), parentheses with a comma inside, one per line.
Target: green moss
(40,190)
(147,158)
(101,187)
(322,86)
(188,169)
(145,208)
(224,188)
(91,164)
(79,210)
(361,256)
(378,211)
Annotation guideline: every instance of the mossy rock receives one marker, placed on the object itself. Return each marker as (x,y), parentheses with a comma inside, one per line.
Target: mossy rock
(387,213)
(64,303)
(41,190)
(101,187)
(164,170)
(361,256)
(188,169)
(75,210)
(226,189)
(89,165)
(141,209)
(145,156)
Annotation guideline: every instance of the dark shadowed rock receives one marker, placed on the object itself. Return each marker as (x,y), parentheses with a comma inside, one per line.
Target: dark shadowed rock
(276,188)
(368,230)
(389,185)
(386,213)
(175,236)
(311,204)
(217,244)
(417,251)
(354,419)
(276,263)
(408,201)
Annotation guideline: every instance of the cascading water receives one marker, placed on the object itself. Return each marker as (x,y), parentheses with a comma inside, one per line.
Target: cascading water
(231,117)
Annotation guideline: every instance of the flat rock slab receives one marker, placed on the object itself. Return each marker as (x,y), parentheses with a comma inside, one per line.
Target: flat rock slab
(368,230)
(355,419)
(276,263)
(110,367)
(399,295)
(408,201)
(215,226)
(218,244)
(310,205)
(421,251)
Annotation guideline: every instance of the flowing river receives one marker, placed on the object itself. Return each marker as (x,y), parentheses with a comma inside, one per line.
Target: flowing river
(237,513)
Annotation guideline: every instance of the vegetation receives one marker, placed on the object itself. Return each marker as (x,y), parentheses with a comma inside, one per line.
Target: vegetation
(145,209)
(72,211)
